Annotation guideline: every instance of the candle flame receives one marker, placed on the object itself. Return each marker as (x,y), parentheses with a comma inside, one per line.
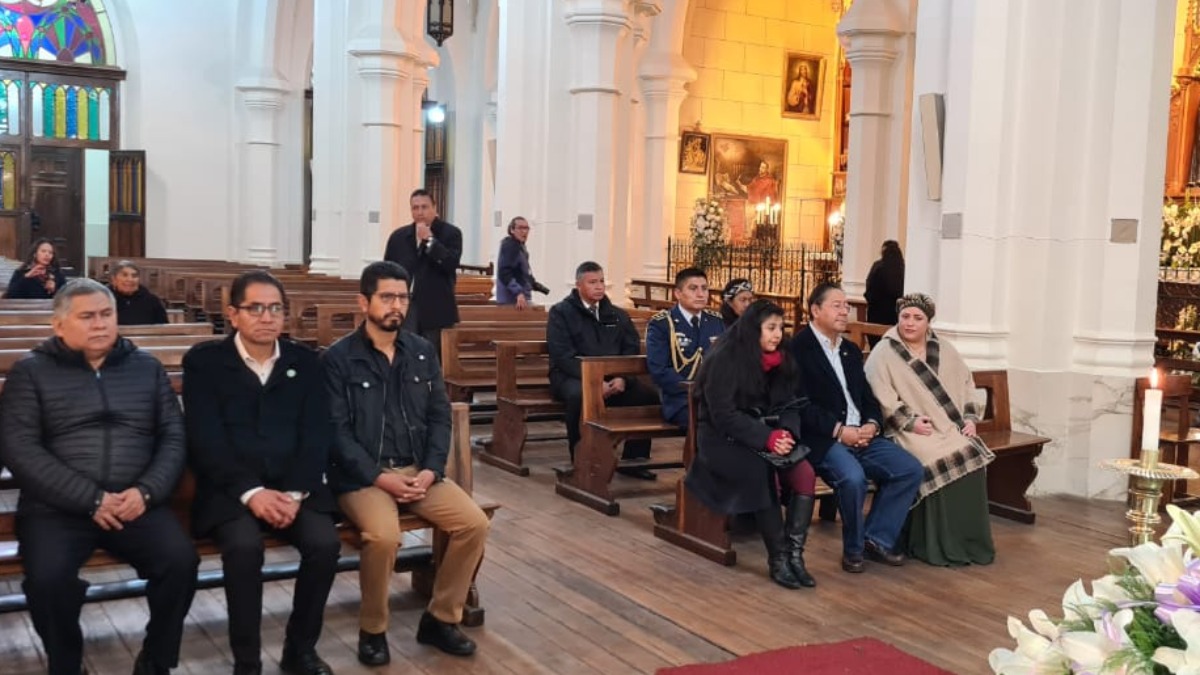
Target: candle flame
(1154,378)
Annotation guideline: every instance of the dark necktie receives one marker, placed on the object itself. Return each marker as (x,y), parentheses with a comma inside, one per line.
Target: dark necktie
(424,247)
(596,311)
(696,323)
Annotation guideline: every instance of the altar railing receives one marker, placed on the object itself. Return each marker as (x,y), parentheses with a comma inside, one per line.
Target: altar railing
(792,270)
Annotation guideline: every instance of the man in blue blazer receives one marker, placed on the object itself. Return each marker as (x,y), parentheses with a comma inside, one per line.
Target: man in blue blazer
(841,425)
(676,340)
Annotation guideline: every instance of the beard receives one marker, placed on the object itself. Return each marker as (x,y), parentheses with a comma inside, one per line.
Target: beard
(388,322)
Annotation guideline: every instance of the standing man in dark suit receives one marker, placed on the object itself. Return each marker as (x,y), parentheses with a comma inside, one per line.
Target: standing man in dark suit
(259,433)
(429,249)
(841,424)
(586,323)
(676,340)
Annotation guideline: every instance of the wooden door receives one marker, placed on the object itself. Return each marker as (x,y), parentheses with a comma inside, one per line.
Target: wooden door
(127,203)
(56,182)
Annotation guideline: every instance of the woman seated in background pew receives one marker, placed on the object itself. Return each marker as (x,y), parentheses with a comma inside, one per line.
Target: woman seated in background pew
(39,278)
(736,297)
(924,389)
(135,304)
(748,425)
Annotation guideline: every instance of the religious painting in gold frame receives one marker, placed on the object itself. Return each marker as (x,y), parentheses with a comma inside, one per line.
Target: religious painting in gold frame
(747,171)
(803,82)
(693,152)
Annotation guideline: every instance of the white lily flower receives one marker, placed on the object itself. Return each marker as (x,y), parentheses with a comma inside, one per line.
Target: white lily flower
(1157,564)
(1088,651)
(1035,654)
(1180,661)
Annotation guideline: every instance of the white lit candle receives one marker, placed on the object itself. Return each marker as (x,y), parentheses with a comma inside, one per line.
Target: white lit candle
(1151,422)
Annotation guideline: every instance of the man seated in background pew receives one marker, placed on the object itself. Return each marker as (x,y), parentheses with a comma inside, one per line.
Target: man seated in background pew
(586,323)
(93,435)
(258,439)
(676,340)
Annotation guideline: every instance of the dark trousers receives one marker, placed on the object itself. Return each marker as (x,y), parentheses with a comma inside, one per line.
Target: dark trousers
(241,543)
(54,546)
(570,392)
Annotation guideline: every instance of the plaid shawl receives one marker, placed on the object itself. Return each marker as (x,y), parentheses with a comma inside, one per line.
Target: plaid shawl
(940,388)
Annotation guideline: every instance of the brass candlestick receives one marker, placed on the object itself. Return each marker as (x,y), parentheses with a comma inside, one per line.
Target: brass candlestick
(1146,491)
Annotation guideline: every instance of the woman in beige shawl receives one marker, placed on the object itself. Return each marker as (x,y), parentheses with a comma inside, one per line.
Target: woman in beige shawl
(924,389)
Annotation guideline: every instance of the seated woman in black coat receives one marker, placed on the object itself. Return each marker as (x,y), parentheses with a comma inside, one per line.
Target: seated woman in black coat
(135,304)
(39,278)
(748,426)
(736,297)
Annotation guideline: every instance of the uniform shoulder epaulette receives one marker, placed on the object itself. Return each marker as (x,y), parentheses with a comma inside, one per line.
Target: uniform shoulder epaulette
(662,314)
(713,312)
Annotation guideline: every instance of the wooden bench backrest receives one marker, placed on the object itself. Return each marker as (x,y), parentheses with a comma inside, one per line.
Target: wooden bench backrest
(27,343)
(995,415)
(170,356)
(595,369)
(509,355)
(45,331)
(461,341)
(857,332)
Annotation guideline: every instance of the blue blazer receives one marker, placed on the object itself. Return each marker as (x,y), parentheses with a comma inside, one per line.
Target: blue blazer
(668,373)
(825,405)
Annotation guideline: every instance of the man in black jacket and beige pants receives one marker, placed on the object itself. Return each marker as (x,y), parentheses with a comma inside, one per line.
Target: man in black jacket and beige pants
(93,435)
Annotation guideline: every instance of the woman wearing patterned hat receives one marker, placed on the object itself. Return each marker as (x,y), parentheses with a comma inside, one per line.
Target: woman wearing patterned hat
(925,391)
(736,297)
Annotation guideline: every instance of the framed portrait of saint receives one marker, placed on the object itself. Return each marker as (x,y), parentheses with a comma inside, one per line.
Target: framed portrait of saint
(693,152)
(803,82)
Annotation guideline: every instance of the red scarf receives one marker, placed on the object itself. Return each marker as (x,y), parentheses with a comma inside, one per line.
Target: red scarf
(771,360)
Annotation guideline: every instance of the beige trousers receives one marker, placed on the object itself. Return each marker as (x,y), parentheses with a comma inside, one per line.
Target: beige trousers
(445,505)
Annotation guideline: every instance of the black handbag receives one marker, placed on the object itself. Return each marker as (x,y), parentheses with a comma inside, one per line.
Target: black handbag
(772,418)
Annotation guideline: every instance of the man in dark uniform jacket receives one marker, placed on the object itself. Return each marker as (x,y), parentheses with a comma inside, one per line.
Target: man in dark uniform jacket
(676,340)
(93,435)
(585,323)
(258,437)
(429,249)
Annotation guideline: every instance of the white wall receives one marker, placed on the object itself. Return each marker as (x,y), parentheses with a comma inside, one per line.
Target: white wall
(178,105)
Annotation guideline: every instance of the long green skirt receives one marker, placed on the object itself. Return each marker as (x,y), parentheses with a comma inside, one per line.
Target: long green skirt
(950,527)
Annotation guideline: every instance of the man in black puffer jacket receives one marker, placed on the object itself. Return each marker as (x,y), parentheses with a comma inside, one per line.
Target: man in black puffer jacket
(93,435)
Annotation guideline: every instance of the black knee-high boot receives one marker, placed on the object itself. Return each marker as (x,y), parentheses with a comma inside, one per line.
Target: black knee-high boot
(799,516)
(770,526)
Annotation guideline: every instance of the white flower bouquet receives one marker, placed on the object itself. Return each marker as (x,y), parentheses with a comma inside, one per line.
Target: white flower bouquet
(1180,236)
(1144,619)
(708,232)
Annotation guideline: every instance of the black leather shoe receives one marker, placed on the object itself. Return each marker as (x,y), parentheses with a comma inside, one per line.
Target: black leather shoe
(853,565)
(877,553)
(303,663)
(634,472)
(247,669)
(445,636)
(143,666)
(373,649)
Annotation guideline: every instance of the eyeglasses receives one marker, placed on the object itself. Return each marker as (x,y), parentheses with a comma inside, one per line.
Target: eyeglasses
(258,309)
(393,298)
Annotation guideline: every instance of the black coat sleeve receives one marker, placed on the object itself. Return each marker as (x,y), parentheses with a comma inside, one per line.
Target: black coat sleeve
(316,434)
(170,453)
(445,252)
(508,264)
(38,472)
(350,456)
(558,342)
(814,417)
(724,415)
(160,310)
(210,448)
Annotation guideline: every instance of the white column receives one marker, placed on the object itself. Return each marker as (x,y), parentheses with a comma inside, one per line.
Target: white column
(334,105)
(663,76)
(258,201)
(597,29)
(872,33)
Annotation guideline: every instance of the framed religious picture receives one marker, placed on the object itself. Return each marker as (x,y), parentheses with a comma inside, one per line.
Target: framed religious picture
(747,172)
(803,82)
(693,152)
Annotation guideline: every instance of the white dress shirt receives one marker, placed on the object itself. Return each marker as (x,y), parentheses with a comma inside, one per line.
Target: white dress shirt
(831,349)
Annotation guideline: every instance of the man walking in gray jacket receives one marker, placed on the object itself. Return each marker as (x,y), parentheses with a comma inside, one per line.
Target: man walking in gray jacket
(94,437)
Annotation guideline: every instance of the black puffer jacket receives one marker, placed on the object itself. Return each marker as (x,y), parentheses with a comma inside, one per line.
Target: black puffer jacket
(70,433)
(572,331)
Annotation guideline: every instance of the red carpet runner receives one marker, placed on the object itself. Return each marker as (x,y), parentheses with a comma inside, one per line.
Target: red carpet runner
(861,656)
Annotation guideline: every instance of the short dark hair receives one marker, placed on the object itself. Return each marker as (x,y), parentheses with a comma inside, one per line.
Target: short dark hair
(686,273)
(513,223)
(237,292)
(368,283)
(587,268)
(420,192)
(817,297)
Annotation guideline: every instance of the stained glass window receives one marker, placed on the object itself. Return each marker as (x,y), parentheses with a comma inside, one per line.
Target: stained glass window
(8,179)
(72,111)
(71,31)
(10,106)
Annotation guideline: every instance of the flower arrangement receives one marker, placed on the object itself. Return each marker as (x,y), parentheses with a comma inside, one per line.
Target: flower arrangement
(1143,619)
(1180,236)
(708,233)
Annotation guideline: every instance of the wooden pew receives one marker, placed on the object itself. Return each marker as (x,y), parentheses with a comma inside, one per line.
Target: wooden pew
(516,403)
(1015,468)
(469,357)
(657,295)
(604,429)
(143,341)
(44,330)
(422,561)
